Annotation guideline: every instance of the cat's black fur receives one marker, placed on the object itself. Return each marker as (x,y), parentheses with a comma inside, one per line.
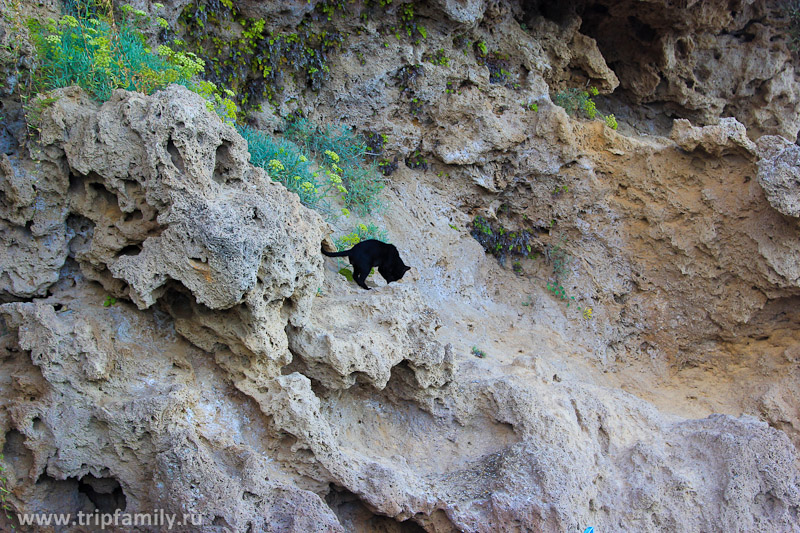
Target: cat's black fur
(366,255)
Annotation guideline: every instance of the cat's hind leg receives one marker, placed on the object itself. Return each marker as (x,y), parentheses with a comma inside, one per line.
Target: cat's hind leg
(360,276)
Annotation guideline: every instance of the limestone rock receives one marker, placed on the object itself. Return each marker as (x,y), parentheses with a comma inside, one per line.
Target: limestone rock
(703,60)
(179,208)
(222,383)
(727,137)
(349,340)
(152,422)
(466,12)
(469,128)
(32,227)
(779,174)
(586,56)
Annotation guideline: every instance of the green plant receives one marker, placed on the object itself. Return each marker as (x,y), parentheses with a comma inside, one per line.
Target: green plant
(559,258)
(501,242)
(360,177)
(791,10)
(109,301)
(477,352)
(559,190)
(328,8)
(576,101)
(4,492)
(289,164)
(462,42)
(93,50)
(558,290)
(498,64)
(387,167)
(101,55)
(416,106)
(438,58)
(361,232)
(375,142)
(409,22)
(254,63)
(416,160)
(579,101)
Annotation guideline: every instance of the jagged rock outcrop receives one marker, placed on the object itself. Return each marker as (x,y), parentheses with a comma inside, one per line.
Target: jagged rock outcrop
(32,222)
(179,208)
(779,174)
(273,406)
(726,138)
(159,204)
(702,60)
(339,347)
(148,415)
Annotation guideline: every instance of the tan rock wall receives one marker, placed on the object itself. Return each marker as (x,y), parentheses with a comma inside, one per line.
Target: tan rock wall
(239,377)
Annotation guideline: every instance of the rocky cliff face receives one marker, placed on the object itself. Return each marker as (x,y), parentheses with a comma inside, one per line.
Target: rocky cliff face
(234,375)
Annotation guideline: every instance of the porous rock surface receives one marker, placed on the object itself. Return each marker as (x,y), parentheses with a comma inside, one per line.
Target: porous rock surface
(237,376)
(700,60)
(778,174)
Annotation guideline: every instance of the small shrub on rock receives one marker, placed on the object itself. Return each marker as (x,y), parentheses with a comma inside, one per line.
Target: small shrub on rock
(89,48)
(501,242)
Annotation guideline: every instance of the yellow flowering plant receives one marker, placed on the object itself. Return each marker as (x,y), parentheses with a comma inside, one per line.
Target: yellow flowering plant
(91,47)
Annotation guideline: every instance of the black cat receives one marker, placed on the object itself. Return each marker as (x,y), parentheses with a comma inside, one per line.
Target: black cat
(366,255)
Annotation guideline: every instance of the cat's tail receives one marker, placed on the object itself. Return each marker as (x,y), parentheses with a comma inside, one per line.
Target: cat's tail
(335,254)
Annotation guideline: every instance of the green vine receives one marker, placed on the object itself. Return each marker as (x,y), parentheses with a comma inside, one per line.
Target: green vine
(255,64)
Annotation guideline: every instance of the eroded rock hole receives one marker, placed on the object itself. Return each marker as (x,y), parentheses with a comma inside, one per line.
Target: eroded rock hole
(356,517)
(134,216)
(287,309)
(77,184)
(16,453)
(105,493)
(177,302)
(131,249)
(558,12)
(683,48)
(223,163)
(176,157)
(641,30)
(97,191)
(80,231)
